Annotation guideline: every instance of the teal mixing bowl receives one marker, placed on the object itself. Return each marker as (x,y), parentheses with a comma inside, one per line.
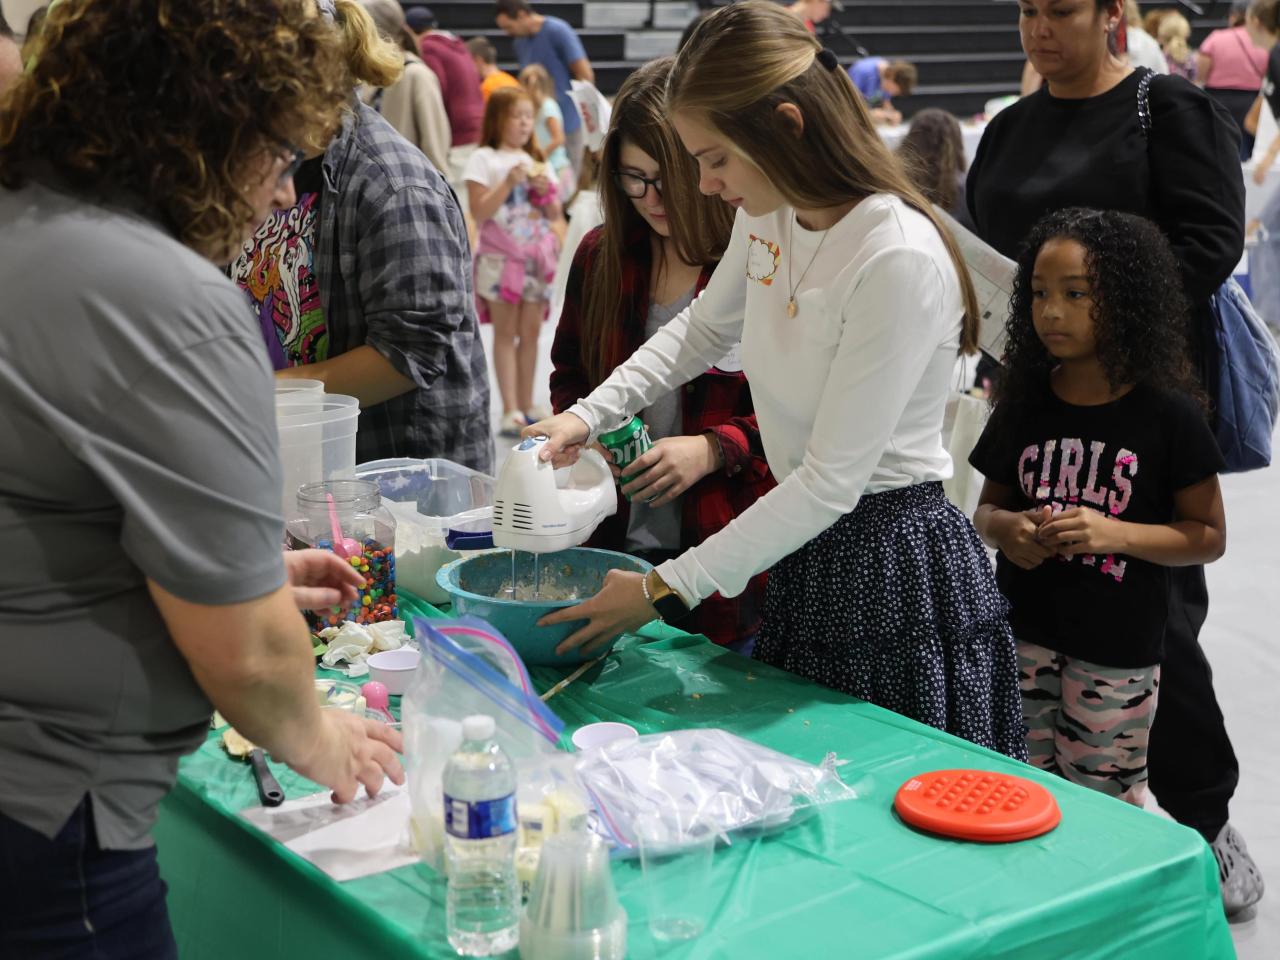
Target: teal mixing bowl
(476,586)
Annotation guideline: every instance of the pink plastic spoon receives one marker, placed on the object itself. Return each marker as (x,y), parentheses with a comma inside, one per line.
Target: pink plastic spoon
(344,547)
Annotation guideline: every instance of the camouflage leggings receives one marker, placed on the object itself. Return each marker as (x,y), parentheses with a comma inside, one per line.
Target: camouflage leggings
(1088,723)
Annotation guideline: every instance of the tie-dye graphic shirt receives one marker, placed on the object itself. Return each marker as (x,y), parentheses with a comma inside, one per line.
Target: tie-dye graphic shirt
(1125,459)
(276,268)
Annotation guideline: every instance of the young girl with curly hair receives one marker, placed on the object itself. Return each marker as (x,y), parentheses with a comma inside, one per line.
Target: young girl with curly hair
(1101,474)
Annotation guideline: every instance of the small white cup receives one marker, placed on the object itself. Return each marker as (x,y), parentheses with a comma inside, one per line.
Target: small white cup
(394,669)
(598,734)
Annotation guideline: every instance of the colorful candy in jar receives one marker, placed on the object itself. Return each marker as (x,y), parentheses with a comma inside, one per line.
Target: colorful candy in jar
(377,599)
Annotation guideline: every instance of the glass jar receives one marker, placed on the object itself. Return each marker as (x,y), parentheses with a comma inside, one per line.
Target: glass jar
(369,531)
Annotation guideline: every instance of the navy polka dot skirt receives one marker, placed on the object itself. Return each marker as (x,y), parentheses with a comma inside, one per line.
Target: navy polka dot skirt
(896,603)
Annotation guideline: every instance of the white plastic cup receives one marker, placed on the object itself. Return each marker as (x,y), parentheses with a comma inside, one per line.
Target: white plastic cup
(599,734)
(394,669)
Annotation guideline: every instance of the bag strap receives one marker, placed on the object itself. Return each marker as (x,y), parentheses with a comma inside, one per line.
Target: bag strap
(1248,55)
(1144,101)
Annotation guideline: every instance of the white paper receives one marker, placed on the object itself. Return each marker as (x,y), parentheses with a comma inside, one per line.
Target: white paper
(594,110)
(992,273)
(347,841)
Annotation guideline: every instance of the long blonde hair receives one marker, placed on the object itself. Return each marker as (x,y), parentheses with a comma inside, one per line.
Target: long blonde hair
(1174,33)
(370,58)
(538,82)
(742,62)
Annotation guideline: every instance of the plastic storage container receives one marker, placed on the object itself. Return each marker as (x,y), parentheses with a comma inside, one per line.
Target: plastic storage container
(317,439)
(364,518)
(429,498)
(311,388)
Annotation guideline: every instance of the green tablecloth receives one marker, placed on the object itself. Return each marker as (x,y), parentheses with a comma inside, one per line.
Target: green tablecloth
(1110,881)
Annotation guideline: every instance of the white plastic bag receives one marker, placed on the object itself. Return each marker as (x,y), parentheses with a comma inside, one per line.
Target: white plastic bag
(687,781)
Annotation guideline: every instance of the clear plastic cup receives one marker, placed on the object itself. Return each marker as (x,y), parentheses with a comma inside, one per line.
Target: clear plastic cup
(677,881)
(573,911)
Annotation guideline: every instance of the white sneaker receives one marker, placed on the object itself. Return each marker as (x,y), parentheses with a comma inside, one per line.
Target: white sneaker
(1240,879)
(512,423)
(537,412)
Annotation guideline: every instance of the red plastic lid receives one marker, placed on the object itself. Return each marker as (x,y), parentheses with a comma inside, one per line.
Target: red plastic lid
(977,805)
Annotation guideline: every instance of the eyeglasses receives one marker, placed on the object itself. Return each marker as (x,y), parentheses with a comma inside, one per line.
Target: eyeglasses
(636,186)
(296,159)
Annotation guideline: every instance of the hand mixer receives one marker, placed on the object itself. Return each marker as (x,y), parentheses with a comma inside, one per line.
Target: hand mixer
(539,509)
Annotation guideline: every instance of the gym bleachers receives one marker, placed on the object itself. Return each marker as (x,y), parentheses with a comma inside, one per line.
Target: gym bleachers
(967,51)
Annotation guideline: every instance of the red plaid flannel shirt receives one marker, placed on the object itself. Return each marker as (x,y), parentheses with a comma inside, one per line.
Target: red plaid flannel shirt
(716,401)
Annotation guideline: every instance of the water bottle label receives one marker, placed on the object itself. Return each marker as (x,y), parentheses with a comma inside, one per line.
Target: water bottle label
(479,819)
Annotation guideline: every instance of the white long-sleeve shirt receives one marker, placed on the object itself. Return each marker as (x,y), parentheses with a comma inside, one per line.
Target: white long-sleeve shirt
(849,393)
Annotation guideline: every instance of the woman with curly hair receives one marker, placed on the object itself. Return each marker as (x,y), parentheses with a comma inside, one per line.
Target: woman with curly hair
(1101,475)
(142,582)
(364,281)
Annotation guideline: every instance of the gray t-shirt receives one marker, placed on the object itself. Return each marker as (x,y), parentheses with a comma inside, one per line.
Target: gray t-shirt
(650,528)
(138,441)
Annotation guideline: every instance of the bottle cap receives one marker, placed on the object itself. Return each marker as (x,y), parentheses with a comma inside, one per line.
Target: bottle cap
(478,727)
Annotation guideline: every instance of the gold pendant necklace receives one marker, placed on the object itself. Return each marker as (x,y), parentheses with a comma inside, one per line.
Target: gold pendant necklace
(792,307)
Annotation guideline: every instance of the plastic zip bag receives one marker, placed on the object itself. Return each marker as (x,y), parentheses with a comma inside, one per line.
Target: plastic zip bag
(680,784)
(467,668)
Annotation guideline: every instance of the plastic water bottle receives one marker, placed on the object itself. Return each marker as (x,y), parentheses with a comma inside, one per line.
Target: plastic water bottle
(483,909)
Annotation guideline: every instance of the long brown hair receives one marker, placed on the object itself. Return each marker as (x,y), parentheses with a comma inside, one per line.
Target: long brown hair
(700,225)
(746,59)
(173,103)
(932,153)
(501,102)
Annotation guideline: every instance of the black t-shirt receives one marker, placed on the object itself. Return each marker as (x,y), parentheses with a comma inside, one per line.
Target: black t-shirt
(1126,459)
(310,176)
(1044,154)
(1271,82)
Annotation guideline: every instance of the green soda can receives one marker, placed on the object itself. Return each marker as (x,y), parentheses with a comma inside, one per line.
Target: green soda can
(627,444)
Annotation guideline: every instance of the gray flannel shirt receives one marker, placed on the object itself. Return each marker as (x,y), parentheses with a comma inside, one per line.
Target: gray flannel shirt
(394,268)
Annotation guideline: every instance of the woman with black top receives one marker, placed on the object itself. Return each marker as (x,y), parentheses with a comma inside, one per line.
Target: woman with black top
(1079,142)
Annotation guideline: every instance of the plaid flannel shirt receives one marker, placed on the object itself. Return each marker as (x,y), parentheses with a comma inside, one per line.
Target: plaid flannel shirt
(717,402)
(394,269)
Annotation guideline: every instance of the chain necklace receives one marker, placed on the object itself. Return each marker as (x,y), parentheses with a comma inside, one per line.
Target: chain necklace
(792,307)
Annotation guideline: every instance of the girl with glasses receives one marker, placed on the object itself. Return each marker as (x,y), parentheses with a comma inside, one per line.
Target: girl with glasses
(656,250)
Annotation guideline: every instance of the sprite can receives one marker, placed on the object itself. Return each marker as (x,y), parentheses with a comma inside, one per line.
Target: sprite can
(627,444)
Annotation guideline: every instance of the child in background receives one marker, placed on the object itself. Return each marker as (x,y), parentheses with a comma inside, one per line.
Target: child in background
(933,154)
(514,201)
(549,128)
(485,58)
(1101,472)
(1174,35)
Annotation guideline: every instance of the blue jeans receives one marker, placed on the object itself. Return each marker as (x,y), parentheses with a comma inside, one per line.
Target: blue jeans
(68,899)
